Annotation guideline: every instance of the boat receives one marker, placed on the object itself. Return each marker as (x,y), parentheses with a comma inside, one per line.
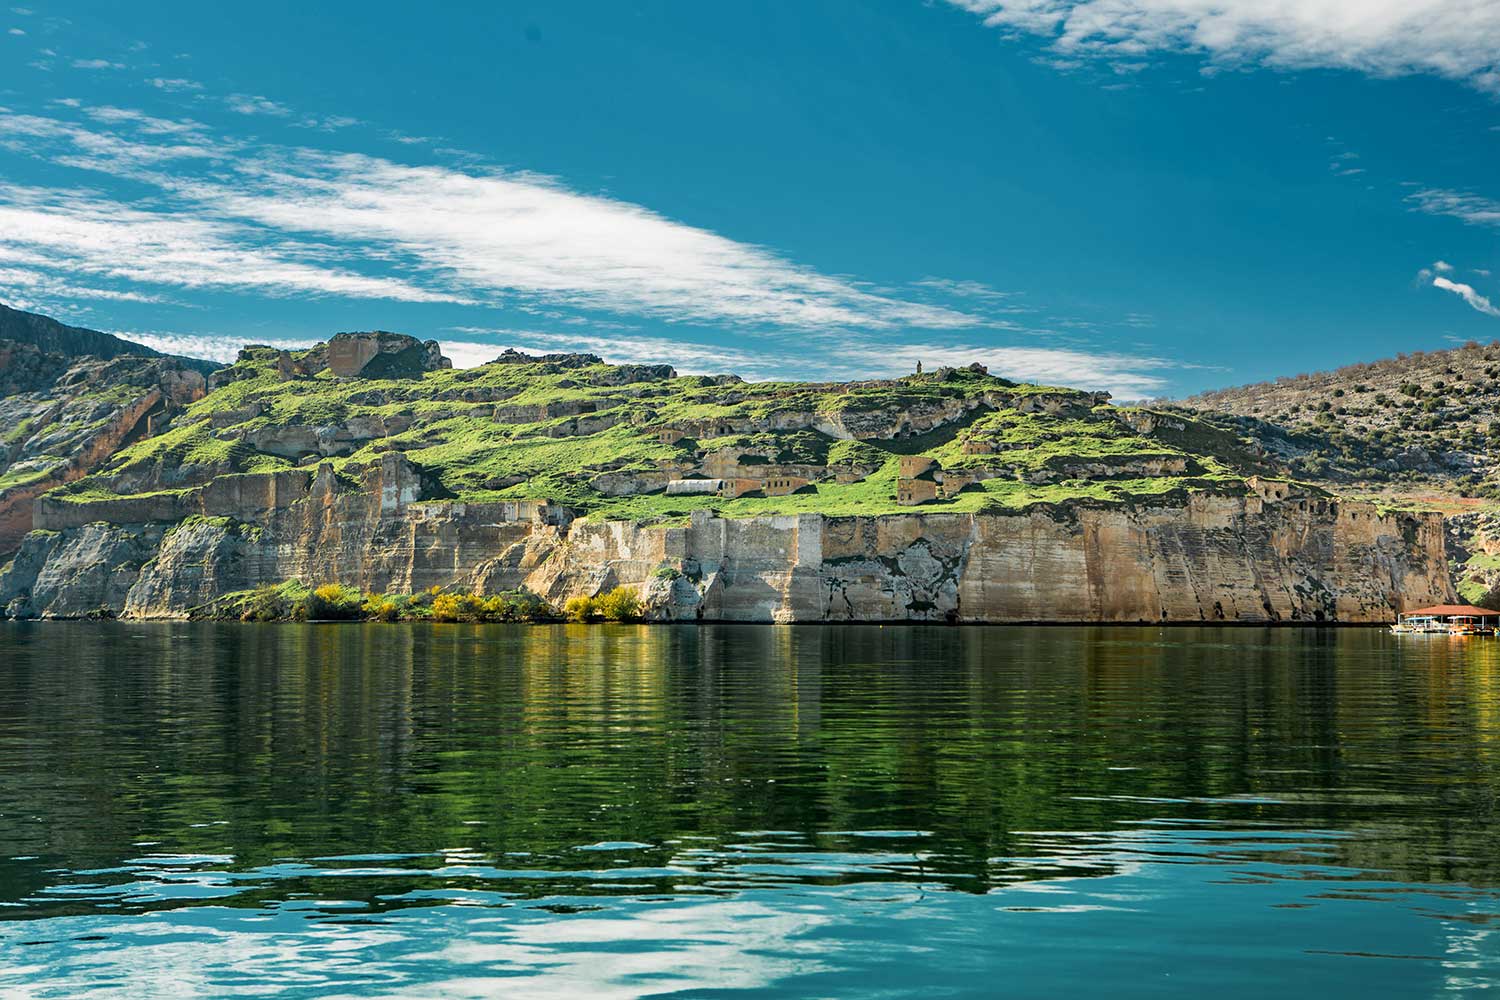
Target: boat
(1468,625)
(1419,625)
(1447,619)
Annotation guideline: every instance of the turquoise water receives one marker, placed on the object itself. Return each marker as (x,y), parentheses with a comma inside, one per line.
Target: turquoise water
(617,811)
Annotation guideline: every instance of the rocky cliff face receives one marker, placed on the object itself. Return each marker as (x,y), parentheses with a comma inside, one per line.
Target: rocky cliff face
(65,417)
(1202,557)
(953,495)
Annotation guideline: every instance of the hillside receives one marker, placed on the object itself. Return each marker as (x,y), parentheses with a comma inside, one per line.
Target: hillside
(1419,422)
(52,337)
(63,417)
(369,465)
(1420,428)
(641,442)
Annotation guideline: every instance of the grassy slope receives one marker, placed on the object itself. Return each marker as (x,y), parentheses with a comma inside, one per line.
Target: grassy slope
(472,456)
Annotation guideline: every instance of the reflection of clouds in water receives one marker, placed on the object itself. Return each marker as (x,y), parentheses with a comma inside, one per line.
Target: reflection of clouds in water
(426,953)
(739,944)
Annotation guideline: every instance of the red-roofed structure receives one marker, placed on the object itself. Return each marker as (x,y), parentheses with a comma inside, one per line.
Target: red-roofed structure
(1454,611)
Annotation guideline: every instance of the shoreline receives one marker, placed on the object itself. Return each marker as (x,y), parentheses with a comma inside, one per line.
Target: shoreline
(892,623)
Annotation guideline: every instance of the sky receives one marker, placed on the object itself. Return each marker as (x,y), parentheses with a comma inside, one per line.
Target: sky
(1149,197)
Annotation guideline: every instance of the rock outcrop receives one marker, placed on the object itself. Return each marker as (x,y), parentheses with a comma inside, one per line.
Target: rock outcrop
(383,355)
(1279,555)
(68,417)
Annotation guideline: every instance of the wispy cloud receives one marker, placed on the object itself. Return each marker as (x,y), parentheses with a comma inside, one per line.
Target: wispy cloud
(1468,294)
(20,283)
(72,232)
(96,64)
(1472,209)
(963,288)
(1456,39)
(250,104)
(174,85)
(448,234)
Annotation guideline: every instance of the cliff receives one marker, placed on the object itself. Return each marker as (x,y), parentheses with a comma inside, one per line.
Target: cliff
(951,496)
(63,418)
(1205,558)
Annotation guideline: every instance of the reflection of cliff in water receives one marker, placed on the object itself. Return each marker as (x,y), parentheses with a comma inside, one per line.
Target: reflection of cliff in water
(961,758)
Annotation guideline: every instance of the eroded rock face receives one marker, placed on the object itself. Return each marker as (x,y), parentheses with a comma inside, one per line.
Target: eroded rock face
(71,418)
(87,572)
(383,355)
(1206,558)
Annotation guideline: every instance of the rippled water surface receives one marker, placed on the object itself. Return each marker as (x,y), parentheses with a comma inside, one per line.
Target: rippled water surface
(473,811)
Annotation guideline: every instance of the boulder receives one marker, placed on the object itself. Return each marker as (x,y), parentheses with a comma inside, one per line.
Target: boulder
(383,355)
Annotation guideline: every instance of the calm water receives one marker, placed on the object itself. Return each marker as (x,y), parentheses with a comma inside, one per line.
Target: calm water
(470,811)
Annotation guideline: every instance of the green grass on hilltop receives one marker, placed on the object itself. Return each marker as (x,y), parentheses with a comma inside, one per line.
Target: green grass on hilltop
(467,454)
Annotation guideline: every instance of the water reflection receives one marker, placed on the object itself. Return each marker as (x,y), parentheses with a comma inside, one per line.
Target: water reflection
(475,810)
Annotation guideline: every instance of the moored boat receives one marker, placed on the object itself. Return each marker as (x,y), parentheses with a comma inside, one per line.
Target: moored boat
(1448,619)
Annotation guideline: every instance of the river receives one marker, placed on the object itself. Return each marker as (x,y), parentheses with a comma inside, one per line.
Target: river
(450,811)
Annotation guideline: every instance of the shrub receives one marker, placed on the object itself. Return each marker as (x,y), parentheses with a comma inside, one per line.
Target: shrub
(264,605)
(330,602)
(579,609)
(456,608)
(620,605)
(523,606)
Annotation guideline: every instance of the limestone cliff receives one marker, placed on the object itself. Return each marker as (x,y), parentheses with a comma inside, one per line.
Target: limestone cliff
(1200,557)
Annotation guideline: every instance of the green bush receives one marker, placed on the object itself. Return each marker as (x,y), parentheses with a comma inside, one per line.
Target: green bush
(510,606)
(456,608)
(331,602)
(620,605)
(264,605)
(580,609)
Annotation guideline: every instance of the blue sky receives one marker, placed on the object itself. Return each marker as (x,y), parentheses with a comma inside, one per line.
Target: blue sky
(1144,196)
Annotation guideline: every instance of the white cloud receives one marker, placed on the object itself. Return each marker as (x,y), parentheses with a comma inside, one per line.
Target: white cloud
(211,346)
(106,150)
(96,64)
(1471,209)
(148,124)
(1456,39)
(54,286)
(964,289)
(528,234)
(174,84)
(466,235)
(1437,267)
(250,104)
(287,221)
(1468,294)
(76,233)
(16,31)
